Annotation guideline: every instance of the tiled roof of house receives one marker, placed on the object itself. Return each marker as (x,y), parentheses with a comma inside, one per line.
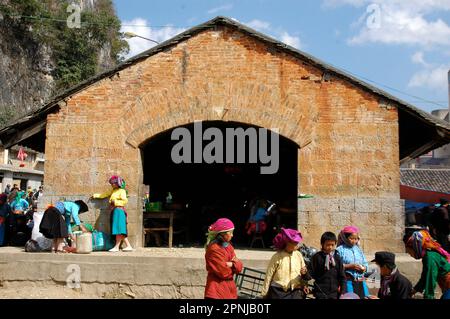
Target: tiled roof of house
(437,180)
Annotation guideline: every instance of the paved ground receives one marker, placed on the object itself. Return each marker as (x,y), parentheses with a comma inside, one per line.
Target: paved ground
(152,252)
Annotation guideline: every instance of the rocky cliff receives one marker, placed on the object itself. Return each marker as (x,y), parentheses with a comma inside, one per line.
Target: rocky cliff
(41,56)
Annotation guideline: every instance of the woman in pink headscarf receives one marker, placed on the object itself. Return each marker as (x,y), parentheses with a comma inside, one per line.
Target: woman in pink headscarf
(118,199)
(286,275)
(221,261)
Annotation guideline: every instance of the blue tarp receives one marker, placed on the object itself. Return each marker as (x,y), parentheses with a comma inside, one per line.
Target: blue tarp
(411,205)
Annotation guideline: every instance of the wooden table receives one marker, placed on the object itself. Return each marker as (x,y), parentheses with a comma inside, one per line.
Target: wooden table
(166,214)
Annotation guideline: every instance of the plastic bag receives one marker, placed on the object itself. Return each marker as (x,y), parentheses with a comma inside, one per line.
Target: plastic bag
(32,246)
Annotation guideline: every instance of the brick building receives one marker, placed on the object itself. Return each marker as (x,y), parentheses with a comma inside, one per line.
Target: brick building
(341,139)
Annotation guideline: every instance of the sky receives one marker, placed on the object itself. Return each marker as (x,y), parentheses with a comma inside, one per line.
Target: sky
(400,46)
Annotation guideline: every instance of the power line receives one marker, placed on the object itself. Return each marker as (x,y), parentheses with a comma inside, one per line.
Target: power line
(413,101)
(418,98)
(94,23)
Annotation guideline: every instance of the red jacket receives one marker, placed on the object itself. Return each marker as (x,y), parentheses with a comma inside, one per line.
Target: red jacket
(220,283)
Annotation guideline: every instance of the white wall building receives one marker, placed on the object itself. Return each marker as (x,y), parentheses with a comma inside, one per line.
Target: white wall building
(26,174)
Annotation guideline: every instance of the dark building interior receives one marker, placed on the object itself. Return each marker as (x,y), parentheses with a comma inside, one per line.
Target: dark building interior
(205,192)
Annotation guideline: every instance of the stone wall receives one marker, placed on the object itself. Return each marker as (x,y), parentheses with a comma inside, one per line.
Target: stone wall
(380,220)
(347,137)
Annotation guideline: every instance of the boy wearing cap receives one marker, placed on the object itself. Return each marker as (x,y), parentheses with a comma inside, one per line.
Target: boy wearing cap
(393,284)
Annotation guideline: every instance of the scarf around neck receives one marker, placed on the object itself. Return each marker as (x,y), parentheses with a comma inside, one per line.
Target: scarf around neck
(329,260)
(386,281)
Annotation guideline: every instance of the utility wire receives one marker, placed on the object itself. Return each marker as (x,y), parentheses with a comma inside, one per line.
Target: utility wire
(418,98)
(93,23)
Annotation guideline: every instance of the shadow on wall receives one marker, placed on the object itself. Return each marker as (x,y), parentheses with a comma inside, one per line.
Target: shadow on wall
(98,215)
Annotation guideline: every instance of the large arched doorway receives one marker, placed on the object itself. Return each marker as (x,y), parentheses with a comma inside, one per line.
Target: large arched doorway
(203,192)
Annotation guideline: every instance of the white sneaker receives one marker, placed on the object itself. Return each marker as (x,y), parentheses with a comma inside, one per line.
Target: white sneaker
(129,248)
(114,250)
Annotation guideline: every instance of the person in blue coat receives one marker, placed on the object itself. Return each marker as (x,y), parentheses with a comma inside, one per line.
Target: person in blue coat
(70,211)
(19,205)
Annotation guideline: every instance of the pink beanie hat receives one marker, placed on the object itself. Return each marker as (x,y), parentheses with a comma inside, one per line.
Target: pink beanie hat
(350,230)
(222,225)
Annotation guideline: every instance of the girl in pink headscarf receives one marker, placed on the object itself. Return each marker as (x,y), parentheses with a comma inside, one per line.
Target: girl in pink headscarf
(286,275)
(221,261)
(355,263)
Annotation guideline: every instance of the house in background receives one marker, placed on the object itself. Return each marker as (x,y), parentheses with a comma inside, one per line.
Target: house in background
(28,173)
(424,185)
(425,179)
(438,158)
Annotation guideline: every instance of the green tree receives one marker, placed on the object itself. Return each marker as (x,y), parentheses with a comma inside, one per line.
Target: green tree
(74,51)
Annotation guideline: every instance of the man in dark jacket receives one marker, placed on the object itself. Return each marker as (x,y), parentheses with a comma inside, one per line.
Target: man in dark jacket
(327,269)
(393,284)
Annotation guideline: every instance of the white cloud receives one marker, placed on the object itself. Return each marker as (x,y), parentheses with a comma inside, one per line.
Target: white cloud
(258,25)
(277,33)
(415,23)
(411,5)
(290,40)
(401,27)
(225,7)
(140,26)
(400,22)
(434,78)
(418,58)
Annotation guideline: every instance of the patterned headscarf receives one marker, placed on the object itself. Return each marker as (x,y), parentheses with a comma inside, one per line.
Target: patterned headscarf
(421,241)
(342,239)
(222,225)
(286,235)
(117,180)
